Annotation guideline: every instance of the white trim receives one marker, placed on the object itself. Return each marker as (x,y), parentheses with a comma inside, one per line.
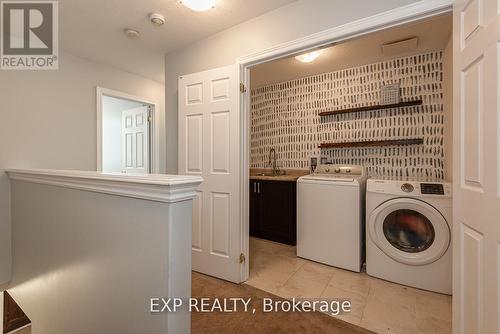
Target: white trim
(155,126)
(1,311)
(153,187)
(392,18)
(245,173)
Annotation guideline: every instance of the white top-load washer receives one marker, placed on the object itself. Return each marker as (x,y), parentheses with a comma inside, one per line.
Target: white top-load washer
(408,233)
(330,216)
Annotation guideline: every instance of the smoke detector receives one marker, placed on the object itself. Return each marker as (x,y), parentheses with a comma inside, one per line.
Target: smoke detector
(131,33)
(157,19)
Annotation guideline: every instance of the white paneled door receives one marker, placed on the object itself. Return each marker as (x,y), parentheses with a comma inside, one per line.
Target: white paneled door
(476,275)
(135,140)
(209,145)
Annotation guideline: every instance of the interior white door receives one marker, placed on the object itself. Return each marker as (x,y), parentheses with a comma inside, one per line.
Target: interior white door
(476,213)
(135,140)
(209,145)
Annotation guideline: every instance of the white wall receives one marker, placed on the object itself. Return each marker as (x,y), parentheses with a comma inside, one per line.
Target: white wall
(112,109)
(94,272)
(49,121)
(299,19)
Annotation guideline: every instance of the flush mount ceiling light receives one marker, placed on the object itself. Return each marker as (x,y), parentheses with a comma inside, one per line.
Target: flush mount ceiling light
(131,33)
(199,5)
(309,57)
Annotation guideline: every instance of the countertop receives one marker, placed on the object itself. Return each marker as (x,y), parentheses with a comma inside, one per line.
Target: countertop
(291,174)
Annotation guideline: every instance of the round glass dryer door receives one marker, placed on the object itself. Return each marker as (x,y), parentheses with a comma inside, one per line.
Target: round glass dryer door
(409,231)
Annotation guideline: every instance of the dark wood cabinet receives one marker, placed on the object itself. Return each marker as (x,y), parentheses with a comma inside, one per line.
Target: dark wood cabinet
(273,210)
(13,317)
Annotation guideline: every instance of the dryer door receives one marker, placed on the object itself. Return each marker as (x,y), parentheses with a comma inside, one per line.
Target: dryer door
(409,230)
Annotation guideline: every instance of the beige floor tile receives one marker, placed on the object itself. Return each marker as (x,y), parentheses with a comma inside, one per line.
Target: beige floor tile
(380,328)
(386,313)
(433,313)
(393,293)
(381,306)
(435,305)
(358,303)
(271,247)
(308,282)
(431,325)
(273,267)
(354,282)
(390,307)
(265,284)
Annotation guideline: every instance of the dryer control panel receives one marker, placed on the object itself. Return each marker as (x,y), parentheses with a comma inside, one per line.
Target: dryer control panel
(409,188)
(431,189)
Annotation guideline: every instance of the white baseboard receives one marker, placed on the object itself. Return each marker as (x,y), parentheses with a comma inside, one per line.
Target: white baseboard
(1,311)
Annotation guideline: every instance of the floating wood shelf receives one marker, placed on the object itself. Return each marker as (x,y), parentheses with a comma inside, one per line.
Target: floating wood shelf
(371,143)
(369,108)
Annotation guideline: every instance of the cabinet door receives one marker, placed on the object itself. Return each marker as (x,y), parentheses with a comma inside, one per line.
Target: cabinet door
(13,316)
(255,210)
(278,211)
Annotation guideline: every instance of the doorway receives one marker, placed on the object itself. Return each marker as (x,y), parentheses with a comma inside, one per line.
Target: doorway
(127,131)
(287,131)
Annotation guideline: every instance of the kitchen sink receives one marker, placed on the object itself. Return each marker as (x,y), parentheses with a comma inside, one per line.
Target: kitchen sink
(281,173)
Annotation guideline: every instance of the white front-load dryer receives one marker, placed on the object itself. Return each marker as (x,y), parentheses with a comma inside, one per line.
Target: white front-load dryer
(408,233)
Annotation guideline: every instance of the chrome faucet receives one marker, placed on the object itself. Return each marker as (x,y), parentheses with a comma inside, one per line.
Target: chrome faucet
(272,161)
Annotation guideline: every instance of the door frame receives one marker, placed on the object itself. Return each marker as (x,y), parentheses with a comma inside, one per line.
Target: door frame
(402,15)
(154,136)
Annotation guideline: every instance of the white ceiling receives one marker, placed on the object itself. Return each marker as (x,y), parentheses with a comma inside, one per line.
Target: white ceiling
(93,29)
(433,34)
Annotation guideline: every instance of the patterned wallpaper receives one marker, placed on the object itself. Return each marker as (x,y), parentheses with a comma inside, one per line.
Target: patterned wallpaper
(285,116)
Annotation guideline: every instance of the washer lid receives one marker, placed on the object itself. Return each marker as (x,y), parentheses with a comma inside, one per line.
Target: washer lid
(336,173)
(329,177)
(409,231)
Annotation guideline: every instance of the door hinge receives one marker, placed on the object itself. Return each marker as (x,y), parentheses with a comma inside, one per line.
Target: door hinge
(149,119)
(242,88)
(242,258)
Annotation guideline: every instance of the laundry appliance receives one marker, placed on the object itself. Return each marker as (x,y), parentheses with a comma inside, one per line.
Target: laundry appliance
(408,233)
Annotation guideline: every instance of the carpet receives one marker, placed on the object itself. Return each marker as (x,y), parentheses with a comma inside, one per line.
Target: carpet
(259,322)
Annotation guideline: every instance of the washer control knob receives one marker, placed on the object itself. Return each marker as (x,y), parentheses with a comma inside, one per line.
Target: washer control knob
(337,170)
(348,170)
(327,170)
(407,188)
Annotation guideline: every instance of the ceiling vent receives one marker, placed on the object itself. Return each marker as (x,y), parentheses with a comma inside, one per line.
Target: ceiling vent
(399,47)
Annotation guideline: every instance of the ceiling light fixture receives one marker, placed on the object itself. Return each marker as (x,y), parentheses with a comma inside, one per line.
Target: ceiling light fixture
(309,57)
(157,19)
(199,5)
(131,33)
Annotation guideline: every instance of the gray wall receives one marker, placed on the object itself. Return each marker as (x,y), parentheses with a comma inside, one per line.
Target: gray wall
(49,121)
(299,19)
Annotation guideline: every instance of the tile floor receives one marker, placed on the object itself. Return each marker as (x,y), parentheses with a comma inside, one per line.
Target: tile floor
(377,305)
